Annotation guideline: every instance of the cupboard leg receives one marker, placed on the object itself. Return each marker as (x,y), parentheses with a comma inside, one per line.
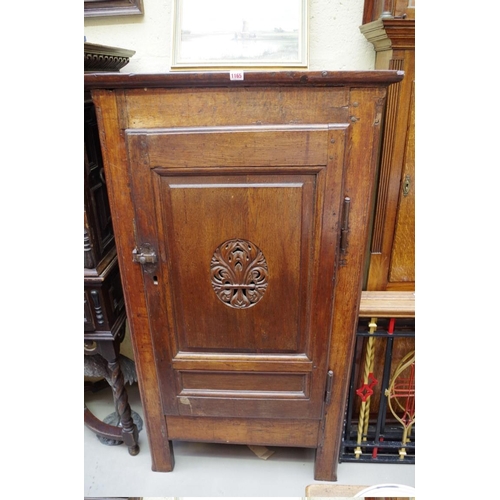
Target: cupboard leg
(325,467)
(162,453)
(326,461)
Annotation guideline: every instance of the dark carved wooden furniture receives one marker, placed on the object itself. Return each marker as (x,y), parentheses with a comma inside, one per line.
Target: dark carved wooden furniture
(104,320)
(241,214)
(98,57)
(390,27)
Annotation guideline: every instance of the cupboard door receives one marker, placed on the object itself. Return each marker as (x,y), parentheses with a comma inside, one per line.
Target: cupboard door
(242,225)
(402,267)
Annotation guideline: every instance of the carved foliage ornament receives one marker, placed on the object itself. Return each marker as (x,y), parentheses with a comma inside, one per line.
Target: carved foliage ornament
(239,273)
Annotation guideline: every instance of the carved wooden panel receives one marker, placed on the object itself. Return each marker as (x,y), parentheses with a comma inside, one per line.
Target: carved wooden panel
(98,228)
(103,302)
(88,317)
(105,58)
(239,273)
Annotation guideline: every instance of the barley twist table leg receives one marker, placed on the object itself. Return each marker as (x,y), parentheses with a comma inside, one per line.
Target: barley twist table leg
(129,429)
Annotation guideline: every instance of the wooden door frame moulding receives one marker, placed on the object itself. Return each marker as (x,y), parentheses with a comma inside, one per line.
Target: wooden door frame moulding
(386,161)
(103,8)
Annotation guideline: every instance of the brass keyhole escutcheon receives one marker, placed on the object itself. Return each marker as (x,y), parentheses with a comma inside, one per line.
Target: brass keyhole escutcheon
(406,185)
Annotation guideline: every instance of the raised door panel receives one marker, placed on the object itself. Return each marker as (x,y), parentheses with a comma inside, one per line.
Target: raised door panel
(252,236)
(244,221)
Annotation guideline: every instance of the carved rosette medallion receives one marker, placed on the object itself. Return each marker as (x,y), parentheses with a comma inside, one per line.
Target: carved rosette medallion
(239,273)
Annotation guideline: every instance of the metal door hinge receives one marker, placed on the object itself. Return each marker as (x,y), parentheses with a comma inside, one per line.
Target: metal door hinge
(344,230)
(329,384)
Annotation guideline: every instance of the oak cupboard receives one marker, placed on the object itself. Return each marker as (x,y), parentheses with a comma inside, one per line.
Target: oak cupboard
(241,216)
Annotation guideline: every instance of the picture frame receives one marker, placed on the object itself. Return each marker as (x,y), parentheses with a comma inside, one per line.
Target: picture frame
(225,34)
(104,8)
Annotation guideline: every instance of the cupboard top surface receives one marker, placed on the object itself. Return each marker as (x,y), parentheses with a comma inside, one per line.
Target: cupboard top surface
(375,78)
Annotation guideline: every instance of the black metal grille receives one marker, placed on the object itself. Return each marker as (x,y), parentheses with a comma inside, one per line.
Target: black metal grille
(378,438)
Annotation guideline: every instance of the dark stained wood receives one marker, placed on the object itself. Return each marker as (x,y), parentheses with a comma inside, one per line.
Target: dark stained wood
(99,243)
(194,163)
(103,297)
(100,428)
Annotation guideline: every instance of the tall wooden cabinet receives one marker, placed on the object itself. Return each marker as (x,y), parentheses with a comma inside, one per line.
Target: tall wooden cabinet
(390,27)
(241,216)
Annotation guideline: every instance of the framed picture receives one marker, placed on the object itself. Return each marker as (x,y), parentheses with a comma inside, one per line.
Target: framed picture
(101,8)
(240,33)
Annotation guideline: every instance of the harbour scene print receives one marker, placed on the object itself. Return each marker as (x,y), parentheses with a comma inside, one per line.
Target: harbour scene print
(240,33)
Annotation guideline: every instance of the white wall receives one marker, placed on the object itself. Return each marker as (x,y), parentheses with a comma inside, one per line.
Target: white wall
(335,42)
